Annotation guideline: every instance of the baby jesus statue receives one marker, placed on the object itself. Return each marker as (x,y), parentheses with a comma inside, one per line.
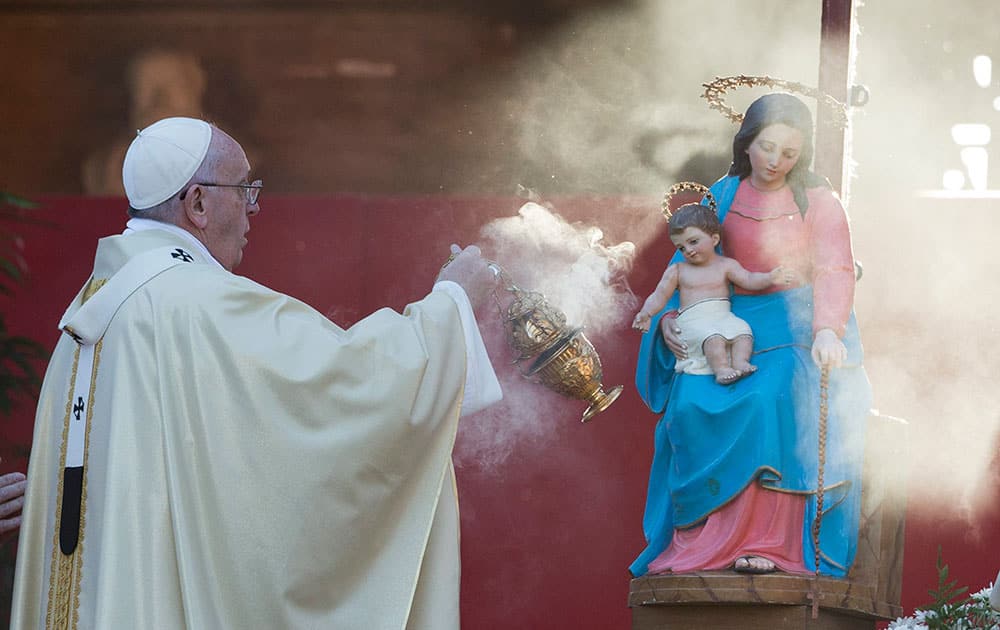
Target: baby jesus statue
(717,342)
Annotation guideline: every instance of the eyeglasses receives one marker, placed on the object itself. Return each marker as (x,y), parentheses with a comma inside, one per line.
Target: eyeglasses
(252,189)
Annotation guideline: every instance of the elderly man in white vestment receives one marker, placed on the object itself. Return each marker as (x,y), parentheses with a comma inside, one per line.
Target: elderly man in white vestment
(209,453)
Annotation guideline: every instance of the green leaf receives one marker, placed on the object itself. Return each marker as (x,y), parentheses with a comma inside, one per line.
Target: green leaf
(14,200)
(21,358)
(10,269)
(948,611)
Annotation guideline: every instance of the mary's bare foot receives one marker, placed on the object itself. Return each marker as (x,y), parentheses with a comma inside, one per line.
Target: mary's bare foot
(754,564)
(727,376)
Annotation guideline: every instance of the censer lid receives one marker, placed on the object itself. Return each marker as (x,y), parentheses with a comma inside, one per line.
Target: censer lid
(533,324)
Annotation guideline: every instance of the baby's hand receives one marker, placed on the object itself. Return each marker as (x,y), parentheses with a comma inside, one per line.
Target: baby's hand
(641,321)
(782,275)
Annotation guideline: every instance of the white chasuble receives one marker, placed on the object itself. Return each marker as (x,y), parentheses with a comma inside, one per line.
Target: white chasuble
(246,463)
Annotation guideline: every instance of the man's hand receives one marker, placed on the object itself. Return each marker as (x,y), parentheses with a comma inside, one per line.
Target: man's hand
(467,268)
(12,486)
(672,336)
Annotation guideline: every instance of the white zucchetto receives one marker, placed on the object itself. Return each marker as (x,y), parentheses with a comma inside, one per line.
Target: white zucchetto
(162,159)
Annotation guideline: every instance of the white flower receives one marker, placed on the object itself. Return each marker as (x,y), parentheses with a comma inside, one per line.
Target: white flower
(907,623)
(976,610)
(923,615)
(984,594)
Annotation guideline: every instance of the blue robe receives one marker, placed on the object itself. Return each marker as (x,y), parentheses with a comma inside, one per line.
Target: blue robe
(714,440)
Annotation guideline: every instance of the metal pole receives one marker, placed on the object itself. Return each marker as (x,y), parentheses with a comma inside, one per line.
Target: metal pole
(836,76)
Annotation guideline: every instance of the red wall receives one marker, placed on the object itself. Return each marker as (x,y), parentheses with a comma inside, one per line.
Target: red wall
(547,530)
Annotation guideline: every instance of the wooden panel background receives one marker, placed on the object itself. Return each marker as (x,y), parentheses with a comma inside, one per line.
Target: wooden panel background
(384,97)
(322,99)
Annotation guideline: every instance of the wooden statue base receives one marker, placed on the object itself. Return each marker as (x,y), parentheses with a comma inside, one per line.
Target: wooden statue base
(725,600)
(749,618)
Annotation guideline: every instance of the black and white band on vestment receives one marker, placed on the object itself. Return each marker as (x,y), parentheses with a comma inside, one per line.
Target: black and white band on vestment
(86,325)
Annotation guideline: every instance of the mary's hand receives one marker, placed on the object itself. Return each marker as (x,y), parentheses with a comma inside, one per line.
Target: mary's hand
(672,336)
(828,349)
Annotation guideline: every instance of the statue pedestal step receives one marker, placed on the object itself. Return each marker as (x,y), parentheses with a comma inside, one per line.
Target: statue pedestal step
(726,600)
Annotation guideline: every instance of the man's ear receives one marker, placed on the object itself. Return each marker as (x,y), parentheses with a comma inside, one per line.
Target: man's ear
(194,209)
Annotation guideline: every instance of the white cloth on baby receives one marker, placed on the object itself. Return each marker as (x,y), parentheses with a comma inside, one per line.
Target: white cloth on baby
(702,320)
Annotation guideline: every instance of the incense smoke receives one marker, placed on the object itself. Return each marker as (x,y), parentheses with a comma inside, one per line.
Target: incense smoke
(578,274)
(541,251)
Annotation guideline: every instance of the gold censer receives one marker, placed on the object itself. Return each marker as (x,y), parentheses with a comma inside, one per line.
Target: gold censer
(552,353)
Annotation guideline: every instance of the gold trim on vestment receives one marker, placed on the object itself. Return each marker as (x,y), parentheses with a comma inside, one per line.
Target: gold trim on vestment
(63,609)
(57,613)
(93,287)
